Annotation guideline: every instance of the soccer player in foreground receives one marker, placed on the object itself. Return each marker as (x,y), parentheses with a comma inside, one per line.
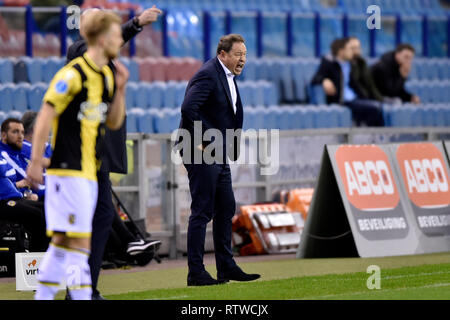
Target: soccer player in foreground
(82,97)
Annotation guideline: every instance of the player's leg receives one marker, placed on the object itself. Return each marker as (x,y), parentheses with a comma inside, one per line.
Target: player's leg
(52,270)
(78,274)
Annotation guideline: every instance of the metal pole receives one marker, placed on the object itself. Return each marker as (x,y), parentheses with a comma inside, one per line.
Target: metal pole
(29,31)
(425,35)
(259,34)
(289,35)
(165,36)
(63,28)
(206,36)
(317,34)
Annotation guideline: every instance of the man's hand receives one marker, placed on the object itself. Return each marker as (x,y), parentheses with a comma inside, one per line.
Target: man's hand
(328,87)
(415,99)
(35,172)
(22,184)
(122,75)
(148,16)
(200,147)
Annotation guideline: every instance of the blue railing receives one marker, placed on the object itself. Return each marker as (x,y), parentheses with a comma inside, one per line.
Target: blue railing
(302,34)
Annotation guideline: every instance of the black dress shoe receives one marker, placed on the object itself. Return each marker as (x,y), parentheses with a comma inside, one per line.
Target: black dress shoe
(97,296)
(236,274)
(202,279)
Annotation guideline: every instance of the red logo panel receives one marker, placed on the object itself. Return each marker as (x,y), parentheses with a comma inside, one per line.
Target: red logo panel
(367,177)
(425,175)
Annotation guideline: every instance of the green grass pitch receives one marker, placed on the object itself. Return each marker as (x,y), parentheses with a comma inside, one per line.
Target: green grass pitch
(403,277)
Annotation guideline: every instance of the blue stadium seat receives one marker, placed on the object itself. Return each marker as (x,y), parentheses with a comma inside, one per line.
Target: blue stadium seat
(440,115)
(250,71)
(14,114)
(262,69)
(145,121)
(169,95)
(167,120)
(298,82)
(6,97)
(245,91)
(345,117)
(19,95)
(133,68)
(249,118)
(50,66)
(141,95)
(271,94)
(286,86)
(131,123)
(284,118)
(428,116)
(35,95)
(308,117)
(316,94)
(131,93)
(258,90)
(155,94)
(20,71)
(34,69)
(180,91)
(272,117)
(2,116)
(259,117)
(6,70)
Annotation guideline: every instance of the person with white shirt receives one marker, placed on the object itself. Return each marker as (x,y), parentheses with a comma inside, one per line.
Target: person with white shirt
(212,99)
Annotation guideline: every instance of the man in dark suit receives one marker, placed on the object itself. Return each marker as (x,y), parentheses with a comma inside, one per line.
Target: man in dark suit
(212,100)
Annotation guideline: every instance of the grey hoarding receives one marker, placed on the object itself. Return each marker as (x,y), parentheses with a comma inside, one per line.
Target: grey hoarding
(358,209)
(423,174)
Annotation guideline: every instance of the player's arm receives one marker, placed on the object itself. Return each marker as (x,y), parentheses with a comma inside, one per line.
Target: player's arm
(116,113)
(40,137)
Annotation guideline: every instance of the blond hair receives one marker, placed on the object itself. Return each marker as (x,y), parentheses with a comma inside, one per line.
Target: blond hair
(96,23)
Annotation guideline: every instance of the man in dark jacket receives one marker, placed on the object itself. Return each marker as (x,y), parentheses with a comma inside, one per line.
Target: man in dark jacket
(212,100)
(340,86)
(115,159)
(361,73)
(392,70)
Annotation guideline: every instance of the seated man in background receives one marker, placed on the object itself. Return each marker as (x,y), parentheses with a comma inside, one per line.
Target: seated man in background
(12,137)
(28,121)
(391,72)
(361,72)
(335,76)
(17,208)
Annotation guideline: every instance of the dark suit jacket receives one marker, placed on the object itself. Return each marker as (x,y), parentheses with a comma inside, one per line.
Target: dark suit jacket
(387,77)
(115,153)
(208,99)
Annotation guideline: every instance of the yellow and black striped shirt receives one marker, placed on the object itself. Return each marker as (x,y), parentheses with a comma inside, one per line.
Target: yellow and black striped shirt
(81,94)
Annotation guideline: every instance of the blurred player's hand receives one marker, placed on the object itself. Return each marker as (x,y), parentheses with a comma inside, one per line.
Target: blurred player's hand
(35,174)
(148,16)
(122,74)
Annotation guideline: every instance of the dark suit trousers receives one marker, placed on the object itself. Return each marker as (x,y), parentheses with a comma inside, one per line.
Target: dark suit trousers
(367,111)
(212,199)
(101,225)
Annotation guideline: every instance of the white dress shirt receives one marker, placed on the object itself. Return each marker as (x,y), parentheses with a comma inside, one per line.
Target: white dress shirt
(230,79)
